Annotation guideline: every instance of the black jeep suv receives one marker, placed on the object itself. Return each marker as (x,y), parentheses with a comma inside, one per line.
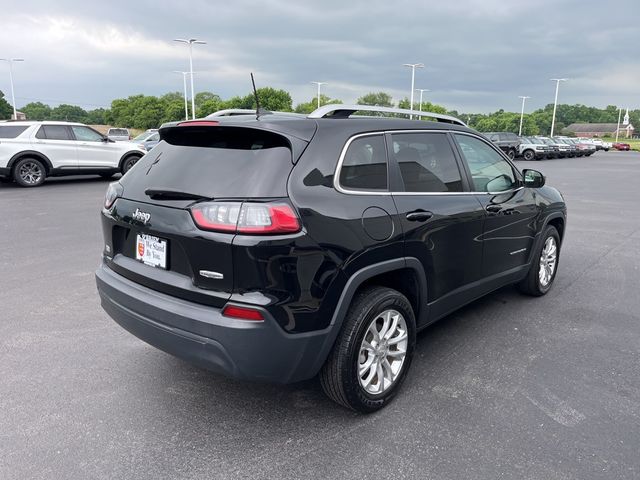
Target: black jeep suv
(508,142)
(280,248)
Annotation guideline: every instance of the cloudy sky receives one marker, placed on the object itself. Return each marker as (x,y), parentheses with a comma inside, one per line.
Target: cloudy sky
(479,55)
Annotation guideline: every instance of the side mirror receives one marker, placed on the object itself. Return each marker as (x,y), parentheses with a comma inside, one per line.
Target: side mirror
(533,178)
(105,139)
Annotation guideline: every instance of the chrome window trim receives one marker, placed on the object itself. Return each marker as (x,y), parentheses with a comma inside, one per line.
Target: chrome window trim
(336,175)
(343,153)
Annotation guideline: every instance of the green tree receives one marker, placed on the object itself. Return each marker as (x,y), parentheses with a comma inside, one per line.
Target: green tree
(149,112)
(270,99)
(122,111)
(426,106)
(311,105)
(202,97)
(97,116)
(37,111)
(69,113)
(380,99)
(209,106)
(6,110)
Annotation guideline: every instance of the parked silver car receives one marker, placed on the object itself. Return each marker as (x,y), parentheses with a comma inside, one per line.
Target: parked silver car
(118,134)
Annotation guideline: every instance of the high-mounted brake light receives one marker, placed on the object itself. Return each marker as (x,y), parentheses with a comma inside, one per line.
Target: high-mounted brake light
(246,217)
(242,313)
(199,123)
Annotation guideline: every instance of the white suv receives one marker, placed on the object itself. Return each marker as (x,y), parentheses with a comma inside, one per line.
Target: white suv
(31,151)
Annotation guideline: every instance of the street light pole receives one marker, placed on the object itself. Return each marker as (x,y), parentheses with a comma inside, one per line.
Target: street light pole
(413,80)
(13,95)
(184,86)
(522,114)
(618,129)
(191,42)
(422,90)
(555,102)
(319,84)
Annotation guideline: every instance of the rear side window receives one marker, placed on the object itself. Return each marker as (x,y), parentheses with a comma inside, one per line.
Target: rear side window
(364,166)
(53,132)
(426,162)
(11,131)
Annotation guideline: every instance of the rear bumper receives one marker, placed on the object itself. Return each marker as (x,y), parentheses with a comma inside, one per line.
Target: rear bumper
(5,171)
(197,333)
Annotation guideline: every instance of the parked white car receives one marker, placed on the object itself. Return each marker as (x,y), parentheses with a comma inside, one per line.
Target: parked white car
(32,151)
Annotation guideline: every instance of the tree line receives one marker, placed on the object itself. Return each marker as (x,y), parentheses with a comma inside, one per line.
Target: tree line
(148,111)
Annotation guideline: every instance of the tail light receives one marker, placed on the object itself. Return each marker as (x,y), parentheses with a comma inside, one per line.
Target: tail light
(246,217)
(114,191)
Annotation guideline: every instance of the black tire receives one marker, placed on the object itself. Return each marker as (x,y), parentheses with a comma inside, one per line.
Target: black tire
(531,284)
(529,155)
(29,172)
(339,376)
(511,154)
(129,162)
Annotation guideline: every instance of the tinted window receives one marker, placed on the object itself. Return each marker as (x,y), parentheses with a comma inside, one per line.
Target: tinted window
(118,131)
(86,134)
(426,162)
(365,164)
(489,170)
(220,162)
(11,131)
(53,132)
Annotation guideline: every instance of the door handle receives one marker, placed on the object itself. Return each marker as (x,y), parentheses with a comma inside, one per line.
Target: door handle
(419,216)
(492,208)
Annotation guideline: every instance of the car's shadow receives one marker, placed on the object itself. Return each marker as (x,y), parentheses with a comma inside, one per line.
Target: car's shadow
(53,182)
(243,403)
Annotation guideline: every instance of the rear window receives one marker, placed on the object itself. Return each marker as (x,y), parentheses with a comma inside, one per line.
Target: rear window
(54,132)
(11,131)
(215,162)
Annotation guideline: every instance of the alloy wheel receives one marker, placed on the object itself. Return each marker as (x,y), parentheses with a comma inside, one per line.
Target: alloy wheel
(382,352)
(548,261)
(30,172)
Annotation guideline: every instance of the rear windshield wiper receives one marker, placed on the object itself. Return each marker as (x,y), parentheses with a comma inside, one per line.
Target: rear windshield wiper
(166,194)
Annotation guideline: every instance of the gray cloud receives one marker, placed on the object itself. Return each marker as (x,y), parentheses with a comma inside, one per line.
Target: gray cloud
(479,55)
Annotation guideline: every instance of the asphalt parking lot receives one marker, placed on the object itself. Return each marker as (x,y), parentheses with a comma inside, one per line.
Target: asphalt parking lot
(508,387)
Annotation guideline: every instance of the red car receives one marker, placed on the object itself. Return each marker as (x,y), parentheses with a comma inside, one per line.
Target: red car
(622,146)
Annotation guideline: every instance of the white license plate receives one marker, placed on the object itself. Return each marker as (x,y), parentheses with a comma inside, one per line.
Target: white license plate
(151,250)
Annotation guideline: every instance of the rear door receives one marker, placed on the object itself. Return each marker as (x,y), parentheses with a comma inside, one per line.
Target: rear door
(93,151)
(511,209)
(440,218)
(57,143)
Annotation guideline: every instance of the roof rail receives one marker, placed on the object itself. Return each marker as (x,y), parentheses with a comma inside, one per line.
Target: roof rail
(345,111)
(232,112)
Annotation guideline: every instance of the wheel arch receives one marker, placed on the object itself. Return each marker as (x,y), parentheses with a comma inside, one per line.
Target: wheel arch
(130,153)
(381,273)
(31,154)
(558,220)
